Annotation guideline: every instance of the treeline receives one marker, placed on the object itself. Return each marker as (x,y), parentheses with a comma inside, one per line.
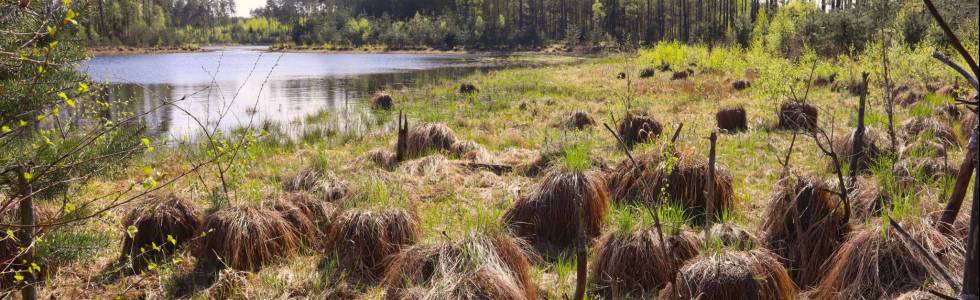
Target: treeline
(831,26)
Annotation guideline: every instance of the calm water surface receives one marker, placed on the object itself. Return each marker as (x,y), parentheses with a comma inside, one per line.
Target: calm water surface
(234,87)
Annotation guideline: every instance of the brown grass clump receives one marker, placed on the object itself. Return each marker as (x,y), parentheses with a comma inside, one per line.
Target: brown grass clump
(911,169)
(871,148)
(381,158)
(949,111)
(876,262)
(546,158)
(157,220)
(310,217)
(685,184)
(382,100)
(854,86)
(726,275)
(639,127)
(739,85)
(467,88)
(246,238)
(943,133)
(867,198)
(825,80)
(328,185)
(731,119)
(547,215)
(637,264)
(797,116)
(733,236)
(922,148)
(580,120)
(967,125)
(804,224)
(480,266)
(426,137)
(684,74)
(363,239)
(646,73)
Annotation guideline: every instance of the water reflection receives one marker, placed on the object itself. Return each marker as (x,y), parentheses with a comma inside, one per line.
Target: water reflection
(242,86)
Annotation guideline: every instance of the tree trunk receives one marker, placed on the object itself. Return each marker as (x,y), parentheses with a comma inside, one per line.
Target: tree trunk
(26,212)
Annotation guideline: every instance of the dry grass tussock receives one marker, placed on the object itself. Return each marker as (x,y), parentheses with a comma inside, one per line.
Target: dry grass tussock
(325,184)
(872,148)
(731,119)
(246,238)
(636,264)
(797,116)
(363,239)
(803,225)
(754,274)
(639,127)
(480,266)
(868,199)
(941,131)
(382,100)
(876,262)
(546,215)
(580,120)
(733,236)
(163,222)
(310,217)
(686,183)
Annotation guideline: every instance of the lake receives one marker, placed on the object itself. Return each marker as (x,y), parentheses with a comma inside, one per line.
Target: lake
(233,87)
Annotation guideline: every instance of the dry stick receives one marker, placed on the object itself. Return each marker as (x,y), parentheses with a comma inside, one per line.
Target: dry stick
(621,143)
(959,188)
(857,144)
(929,256)
(955,41)
(971,282)
(829,151)
(949,62)
(676,134)
(941,295)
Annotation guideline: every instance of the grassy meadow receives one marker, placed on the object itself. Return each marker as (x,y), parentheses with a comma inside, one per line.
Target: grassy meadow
(516,115)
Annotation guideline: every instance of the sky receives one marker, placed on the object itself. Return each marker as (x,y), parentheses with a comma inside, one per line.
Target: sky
(243,7)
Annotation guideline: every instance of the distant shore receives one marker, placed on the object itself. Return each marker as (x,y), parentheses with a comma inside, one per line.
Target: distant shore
(123,50)
(552,49)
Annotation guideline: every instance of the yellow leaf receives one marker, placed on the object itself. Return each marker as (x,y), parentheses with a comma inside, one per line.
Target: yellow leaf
(5,129)
(28,176)
(82,87)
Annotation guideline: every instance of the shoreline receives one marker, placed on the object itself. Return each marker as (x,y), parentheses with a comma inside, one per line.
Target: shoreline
(126,50)
(561,50)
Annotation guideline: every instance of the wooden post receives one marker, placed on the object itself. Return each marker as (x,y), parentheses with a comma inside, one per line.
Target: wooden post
(582,252)
(709,185)
(26,212)
(402,144)
(857,145)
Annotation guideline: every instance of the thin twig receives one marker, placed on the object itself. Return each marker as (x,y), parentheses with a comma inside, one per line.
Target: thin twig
(922,251)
